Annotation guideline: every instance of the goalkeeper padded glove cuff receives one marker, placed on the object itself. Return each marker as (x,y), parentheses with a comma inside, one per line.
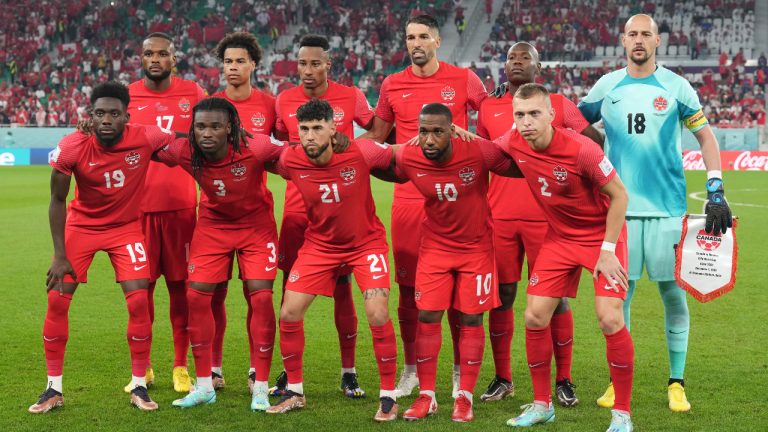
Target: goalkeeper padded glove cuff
(718,213)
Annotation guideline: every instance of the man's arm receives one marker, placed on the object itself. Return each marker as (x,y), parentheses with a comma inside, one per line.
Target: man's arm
(57,218)
(595,135)
(608,263)
(389,174)
(379,130)
(710,150)
(719,216)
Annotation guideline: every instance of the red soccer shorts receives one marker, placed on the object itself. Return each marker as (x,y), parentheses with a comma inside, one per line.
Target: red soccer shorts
(124,244)
(167,236)
(407,220)
(514,240)
(464,281)
(291,238)
(558,268)
(316,272)
(210,258)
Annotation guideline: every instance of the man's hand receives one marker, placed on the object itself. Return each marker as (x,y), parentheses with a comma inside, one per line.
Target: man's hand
(500,90)
(465,135)
(85,126)
(719,217)
(339,142)
(608,264)
(55,276)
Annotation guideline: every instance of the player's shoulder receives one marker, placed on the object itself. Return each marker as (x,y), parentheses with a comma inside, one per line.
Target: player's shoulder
(497,102)
(449,68)
(574,140)
(258,96)
(74,141)
(609,81)
(261,139)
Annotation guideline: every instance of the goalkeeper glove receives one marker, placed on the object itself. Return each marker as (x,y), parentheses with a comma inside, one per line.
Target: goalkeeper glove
(718,213)
(500,90)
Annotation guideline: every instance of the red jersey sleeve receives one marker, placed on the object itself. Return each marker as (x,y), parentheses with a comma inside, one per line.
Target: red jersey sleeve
(158,137)
(493,157)
(594,165)
(266,148)
(376,155)
(279,124)
(475,91)
(399,162)
(384,110)
(363,110)
(201,92)
(572,117)
(280,166)
(175,153)
(67,153)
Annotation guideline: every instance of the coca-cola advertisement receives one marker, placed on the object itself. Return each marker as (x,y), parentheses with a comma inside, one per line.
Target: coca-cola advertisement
(730,160)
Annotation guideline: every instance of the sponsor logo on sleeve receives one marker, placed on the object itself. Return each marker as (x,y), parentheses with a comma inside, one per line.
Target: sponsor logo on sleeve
(605,166)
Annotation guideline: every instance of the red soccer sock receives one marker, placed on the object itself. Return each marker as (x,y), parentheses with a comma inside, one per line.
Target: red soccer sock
(151,299)
(346,322)
(501,324)
(472,345)
(620,352)
(428,340)
(56,331)
(454,321)
(408,317)
(177,296)
(385,349)
(562,343)
(292,349)
(220,318)
(248,318)
(201,329)
(262,332)
(538,346)
(139,332)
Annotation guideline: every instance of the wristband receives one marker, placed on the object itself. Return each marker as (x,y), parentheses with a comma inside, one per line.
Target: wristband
(714,174)
(608,246)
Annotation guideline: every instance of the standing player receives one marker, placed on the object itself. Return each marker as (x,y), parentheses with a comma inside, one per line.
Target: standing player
(519,228)
(343,231)
(236,218)
(452,176)
(169,198)
(403,94)
(240,55)
(349,105)
(109,169)
(648,106)
(585,201)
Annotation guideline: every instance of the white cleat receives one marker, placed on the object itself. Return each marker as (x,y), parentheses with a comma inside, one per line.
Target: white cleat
(408,382)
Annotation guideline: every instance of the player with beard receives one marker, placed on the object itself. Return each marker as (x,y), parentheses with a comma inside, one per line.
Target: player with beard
(169,198)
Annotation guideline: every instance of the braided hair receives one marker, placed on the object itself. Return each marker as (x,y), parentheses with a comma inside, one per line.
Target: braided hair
(234,137)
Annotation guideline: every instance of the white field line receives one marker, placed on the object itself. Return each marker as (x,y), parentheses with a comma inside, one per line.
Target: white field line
(701,196)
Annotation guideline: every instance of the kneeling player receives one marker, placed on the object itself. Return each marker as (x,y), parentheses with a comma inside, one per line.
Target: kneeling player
(585,202)
(109,169)
(343,231)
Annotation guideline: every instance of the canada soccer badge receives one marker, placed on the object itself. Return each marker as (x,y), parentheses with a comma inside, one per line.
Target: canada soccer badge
(294,276)
(660,104)
(132,158)
(184,104)
(238,169)
(348,173)
(338,114)
(560,173)
(708,242)
(448,93)
(534,280)
(258,119)
(467,175)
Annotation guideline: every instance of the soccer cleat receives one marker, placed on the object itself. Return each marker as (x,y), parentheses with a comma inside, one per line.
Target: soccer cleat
(140,399)
(196,397)
(456,382)
(218,381)
(251,381)
(50,399)
(533,414)
(620,422)
(290,401)
(423,406)
(462,410)
(181,381)
(565,394)
(677,400)
(149,377)
(607,399)
(408,382)
(350,387)
(498,389)
(280,383)
(387,410)
(259,398)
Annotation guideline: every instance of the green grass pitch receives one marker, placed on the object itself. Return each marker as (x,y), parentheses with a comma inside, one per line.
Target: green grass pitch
(725,377)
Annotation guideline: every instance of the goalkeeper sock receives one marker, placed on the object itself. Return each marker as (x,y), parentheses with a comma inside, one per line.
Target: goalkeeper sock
(628,301)
(677,325)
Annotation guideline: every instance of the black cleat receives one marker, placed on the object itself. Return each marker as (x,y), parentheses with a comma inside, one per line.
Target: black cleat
(280,383)
(50,399)
(498,389)
(350,387)
(565,394)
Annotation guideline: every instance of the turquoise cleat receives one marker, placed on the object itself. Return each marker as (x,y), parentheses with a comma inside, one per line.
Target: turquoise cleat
(196,397)
(260,399)
(533,414)
(620,422)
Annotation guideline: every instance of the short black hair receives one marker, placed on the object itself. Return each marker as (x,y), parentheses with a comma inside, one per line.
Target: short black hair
(111,89)
(242,40)
(426,20)
(437,108)
(161,35)
(313,40)
(315,109)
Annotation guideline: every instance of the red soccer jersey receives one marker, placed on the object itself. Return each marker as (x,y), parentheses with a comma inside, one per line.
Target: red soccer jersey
(494,120)
(340,207)
(166,189)
(403,95)
(234,195)
(455,192)
(349,104)
(257,113)
(110,181)
(566,179)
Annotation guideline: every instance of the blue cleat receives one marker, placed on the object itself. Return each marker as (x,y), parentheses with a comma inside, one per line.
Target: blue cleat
(533,414)
(196,397)
(620,422)
(259,398)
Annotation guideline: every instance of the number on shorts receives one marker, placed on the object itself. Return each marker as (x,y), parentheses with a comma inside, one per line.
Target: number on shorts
(115,179)
(327,190)
(134,250)
(446,192)
(222,189)
(167,119)
(378,263)
(544,186)
(272,252)
(484,284)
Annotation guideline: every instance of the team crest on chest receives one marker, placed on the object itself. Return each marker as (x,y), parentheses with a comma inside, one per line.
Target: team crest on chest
(258,119)
(184,104)
(467,175)
(348,174)
(238,169)
(133,158)
(338,114)
(660,104)
(560,173)
(448,93)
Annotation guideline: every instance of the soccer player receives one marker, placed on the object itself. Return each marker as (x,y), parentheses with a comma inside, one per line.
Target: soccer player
(457,267)
(240,55)
(519,228)
(403,94)
(349,105)
(169,197)
(584,201)
(109,169)
(343,231)
(643,108)
(236,217)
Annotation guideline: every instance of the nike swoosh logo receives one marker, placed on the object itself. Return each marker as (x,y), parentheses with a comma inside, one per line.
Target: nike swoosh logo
(195,345)
(564,343)
(474,362)
(137,268)
(269,268)
(142,107)
(47,339)
(484,300)
(289,356)
(619,366)
(134,338)
(420,174)
(535,365)
(262,349)
(92,163)
(351,335)
(378,277)
(386,359)
(521,161)
(498,114)
(291,115)
(613,102)
(405,95)
(498,334)
(680,332)
(303,176)
(422,360)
